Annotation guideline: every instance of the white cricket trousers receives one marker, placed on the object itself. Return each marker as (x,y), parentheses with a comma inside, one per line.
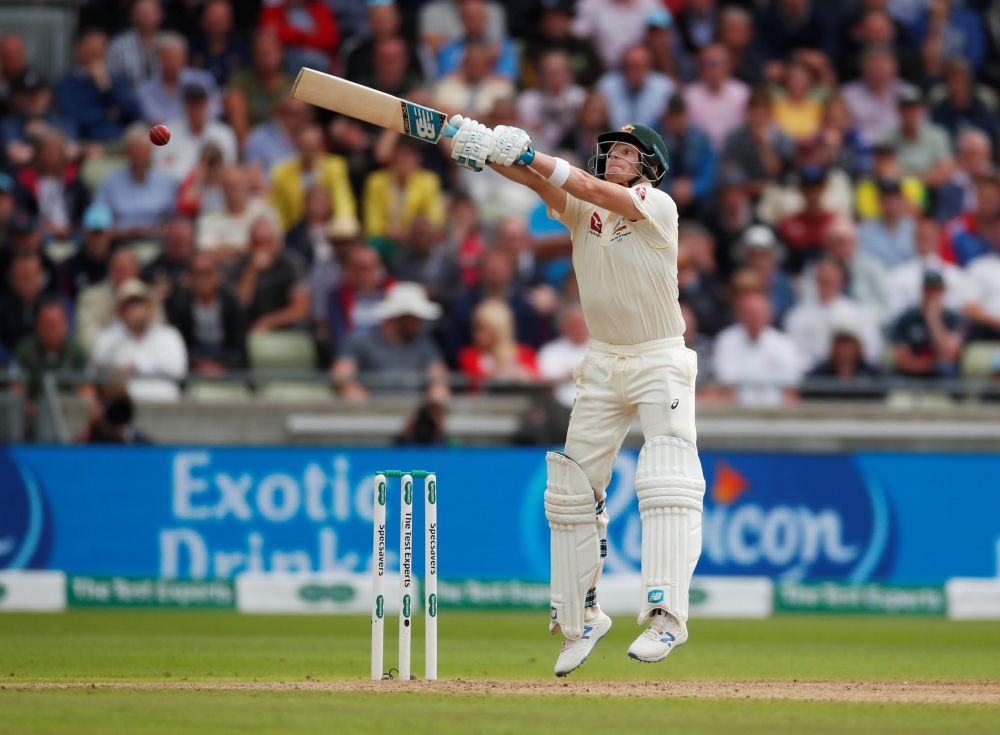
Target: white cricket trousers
(615,383)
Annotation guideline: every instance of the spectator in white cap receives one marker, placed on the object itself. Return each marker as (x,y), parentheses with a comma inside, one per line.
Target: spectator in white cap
(400,354)
(151,357)
(760,251)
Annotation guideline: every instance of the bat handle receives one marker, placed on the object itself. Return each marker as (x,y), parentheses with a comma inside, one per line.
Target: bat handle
(525,160)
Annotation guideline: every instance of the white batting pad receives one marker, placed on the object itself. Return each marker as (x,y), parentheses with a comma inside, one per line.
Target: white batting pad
(671,488)
(576,550)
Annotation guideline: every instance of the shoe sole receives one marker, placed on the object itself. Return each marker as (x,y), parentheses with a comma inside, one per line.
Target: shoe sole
(584,660)
(657,660)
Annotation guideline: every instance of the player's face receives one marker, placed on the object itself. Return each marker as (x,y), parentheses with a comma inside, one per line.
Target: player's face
(623,163)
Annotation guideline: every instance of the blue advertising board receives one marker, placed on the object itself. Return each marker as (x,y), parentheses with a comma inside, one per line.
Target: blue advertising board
(209,513)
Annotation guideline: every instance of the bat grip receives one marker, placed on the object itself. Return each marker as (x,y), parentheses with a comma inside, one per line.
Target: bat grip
(525,159)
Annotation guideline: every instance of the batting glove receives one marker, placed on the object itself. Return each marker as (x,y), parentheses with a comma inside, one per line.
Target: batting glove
(508,145)
(471,144)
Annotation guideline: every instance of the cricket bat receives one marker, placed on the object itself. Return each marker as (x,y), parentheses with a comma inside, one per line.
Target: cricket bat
(375,107)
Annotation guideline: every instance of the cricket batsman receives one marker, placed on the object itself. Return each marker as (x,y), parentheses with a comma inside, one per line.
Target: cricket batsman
(624,233)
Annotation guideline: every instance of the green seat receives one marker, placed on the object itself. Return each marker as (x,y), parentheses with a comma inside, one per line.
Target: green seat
(218,392)
(60,250)
(95,169)
(281,351)
(978,359)
(303,392)
(146,250)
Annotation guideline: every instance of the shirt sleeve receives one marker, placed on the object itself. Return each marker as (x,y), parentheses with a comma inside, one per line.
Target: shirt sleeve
(569,216)
(660,213)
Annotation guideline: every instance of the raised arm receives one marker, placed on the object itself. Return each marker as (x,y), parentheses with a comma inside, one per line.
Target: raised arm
(585,187)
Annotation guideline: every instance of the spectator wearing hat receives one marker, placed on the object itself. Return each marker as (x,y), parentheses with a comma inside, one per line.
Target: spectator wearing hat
(149,356)
(906,279)
(552,33)
(25,290)
(927,339)
(20,131)
(805,231)
(99,103)
(756,364)
(716,102)
(51,189)
(628,18)
(168,271)
(311,162)
(191,133)
(267,284)
(759,251)
(308,31)
(138,195)
(89,264)
(889,237)
(399,354)
(396,195)
(982,296)
(759,147)
(95,304)
(252,93)
(785,26)
(162,97)
(946,29)
(133,53)
(962,108)
(384,21)
(551,108)
(872,99)
(636,94)
(736,33)
(970,235)
(886,166)
(352,306)
(691,176)
(49,349)
(923,148)
(440,21)
(215,48)
(209,319)
(226,233)
(812,322)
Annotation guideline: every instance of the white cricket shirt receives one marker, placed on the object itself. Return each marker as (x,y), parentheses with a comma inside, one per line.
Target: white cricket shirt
(627,271)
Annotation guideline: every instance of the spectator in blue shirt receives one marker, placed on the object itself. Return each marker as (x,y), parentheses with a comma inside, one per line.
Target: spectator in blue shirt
(948,29)
(963,108)
(474,15)
(138,196)
(215,49)
(691,176)
(891,237)
(161,97)
(99,103)
(20,131)
(636,95)
(272,141)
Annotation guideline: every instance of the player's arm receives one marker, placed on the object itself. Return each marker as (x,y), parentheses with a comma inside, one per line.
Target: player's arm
(553,196)
(585,187)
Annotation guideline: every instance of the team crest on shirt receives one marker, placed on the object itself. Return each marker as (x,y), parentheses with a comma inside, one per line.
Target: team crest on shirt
(595,224)
(641,191)
(621,232)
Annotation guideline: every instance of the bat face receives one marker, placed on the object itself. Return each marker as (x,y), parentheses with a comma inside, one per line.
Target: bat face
(422,123)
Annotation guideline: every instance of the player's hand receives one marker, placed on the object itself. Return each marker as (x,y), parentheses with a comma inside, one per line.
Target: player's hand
(509,144)
(471,144)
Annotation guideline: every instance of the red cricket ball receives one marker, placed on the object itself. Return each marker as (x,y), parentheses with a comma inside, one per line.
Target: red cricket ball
(159,135)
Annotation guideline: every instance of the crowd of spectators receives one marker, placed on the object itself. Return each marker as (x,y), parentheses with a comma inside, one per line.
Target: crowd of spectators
(834,165)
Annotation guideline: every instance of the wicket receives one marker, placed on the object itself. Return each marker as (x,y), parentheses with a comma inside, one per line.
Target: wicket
(405,571)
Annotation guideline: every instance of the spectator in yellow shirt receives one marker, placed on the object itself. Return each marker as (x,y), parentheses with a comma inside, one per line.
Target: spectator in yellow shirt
(399,193)
(311,166)
(885,166)
(798,113)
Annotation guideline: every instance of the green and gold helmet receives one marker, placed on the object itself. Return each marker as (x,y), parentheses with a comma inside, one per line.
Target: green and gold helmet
(652,151)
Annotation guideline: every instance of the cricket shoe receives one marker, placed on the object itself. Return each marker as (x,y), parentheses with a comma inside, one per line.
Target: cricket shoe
(662,636)
(575,652)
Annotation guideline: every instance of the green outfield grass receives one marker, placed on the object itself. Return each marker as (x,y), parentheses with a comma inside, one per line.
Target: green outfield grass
(135,645)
